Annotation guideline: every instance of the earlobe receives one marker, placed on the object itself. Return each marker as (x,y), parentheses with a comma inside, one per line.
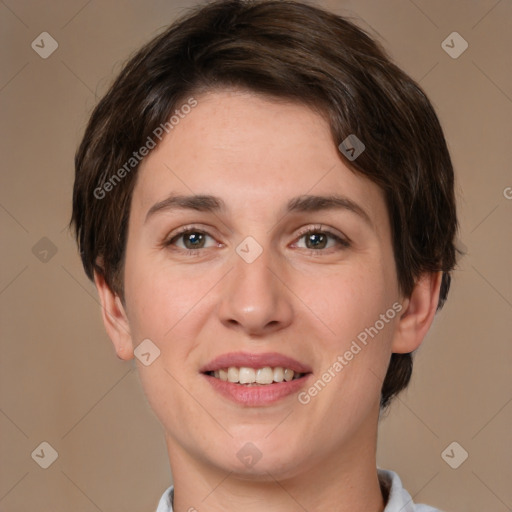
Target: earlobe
(114,318)
(418,313)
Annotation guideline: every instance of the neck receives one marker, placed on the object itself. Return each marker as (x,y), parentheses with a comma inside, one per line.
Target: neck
(345,481)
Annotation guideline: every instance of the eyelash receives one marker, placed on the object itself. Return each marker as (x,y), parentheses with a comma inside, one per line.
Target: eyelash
(344,243)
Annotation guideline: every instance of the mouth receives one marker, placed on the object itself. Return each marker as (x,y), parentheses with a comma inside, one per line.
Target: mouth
(256,380)
(248,377)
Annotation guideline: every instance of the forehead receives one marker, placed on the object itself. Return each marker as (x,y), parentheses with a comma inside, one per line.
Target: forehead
(250,150)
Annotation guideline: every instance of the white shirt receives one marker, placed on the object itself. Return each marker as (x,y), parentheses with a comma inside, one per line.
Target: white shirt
(399,500)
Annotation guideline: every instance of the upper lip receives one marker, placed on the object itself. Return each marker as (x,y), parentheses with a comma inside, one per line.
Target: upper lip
(248,360)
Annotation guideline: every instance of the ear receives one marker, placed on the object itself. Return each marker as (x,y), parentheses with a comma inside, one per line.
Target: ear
(418,315)
(114,319)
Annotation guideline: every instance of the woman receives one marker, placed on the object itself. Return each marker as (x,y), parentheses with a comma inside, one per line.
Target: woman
(265,203)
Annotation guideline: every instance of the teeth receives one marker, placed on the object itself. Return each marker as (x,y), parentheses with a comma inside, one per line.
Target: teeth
(233,374)
(246,375)
(249,376)
(265,375)
(288,375)
(278,374)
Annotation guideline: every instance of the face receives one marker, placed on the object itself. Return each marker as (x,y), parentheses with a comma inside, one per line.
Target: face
(262,274)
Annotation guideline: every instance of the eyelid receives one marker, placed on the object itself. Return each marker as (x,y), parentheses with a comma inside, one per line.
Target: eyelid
(324,229)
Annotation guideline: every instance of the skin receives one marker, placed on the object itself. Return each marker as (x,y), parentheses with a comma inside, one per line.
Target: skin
(306,302)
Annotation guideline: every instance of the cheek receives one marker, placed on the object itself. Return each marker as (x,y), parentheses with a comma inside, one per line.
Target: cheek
(357,344)
(347,301)
(169,304)
(163,309)
(159,295)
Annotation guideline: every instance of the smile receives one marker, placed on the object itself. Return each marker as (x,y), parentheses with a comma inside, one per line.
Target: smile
(255,376)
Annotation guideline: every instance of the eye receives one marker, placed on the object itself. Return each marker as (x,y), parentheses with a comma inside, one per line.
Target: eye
(317,239)
(189,239)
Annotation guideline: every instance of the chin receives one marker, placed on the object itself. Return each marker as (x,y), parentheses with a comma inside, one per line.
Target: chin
(259,459)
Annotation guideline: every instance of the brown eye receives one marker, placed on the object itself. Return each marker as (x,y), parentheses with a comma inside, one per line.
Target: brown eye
(193,240)
(189,239)
(316,240)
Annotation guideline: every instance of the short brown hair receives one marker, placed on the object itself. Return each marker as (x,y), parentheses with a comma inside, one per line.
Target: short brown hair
(290,50)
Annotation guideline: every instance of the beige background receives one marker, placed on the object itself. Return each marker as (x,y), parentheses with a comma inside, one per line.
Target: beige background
(60,381)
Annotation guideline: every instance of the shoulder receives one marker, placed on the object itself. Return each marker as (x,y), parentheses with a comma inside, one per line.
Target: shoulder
(165,503)
(399,500)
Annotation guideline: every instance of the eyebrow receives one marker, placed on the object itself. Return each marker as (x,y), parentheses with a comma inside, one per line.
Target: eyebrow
(202,203)
(303,203)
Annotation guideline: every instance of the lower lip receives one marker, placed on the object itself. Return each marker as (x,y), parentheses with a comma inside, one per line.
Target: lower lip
(254,396)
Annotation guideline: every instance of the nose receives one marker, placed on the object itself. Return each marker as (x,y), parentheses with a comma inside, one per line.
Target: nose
(255,299)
